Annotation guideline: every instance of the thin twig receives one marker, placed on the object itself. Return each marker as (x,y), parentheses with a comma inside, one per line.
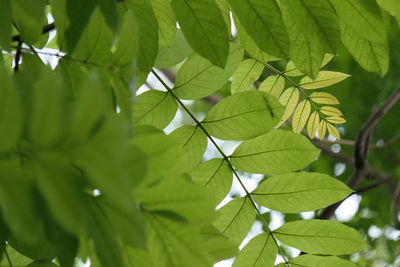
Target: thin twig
(226,158)
(17,56)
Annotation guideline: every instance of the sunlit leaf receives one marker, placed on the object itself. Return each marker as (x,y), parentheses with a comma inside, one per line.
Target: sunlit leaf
(313,123)
(320,237)
(298,192)
(300,115)
(264,153)
(243,116)
(273,85)
(324,79)
(245,75)
(324,98)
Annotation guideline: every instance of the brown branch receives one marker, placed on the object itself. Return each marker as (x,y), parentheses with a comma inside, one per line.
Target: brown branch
(46,28)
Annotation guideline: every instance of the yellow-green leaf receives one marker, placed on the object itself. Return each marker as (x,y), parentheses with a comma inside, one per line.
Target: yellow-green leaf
(273,85)
(336,120)
(331,111)
(322,129)
(324,79)
(300,115)
(333,131)
(245,75)
(289,99)
(324,98)
(312,125)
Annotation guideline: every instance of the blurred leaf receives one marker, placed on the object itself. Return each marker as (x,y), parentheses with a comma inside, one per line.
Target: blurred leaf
(177,52)
(315,261)
(166,21)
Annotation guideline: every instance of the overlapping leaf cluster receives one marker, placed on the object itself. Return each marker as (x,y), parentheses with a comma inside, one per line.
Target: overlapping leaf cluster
(86,171)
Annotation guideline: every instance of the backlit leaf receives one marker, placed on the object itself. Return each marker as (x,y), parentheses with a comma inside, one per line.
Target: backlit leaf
(155,108)
(333,131)
(300,115)
(261,251)
(166,21)
(273,85)
(199,78)
(243,116)
(264,153)
(301,191)
(322,129)
(324,79)
(204,27)
(324,98)
(320,237)
(245,75)
(262,20)
(236,219)
(331,111)
(336,120)
(319,261)
(216,176)
(289,99)
(312,125)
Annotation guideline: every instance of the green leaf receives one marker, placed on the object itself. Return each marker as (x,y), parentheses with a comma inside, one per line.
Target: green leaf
(179,195)
(41,263)
(17,207)
(373,56)
(262,20)
(60,186)
(95,42)
(236,219)
(391,6)
(17,259)
(320,237)
(216,176)
(250,46)
(317,19)
(246,74)
(324,79)
(219,246)
(10,107)
(127,44)
(261,251)
(193,142)
(148,33)
(204,27)
(307,52)
(273,85)
(177,52)
(154,108)
(181,246)
(362,17)
(29,19)
(300,115)
(317,261)
(199,78)
(265,153)
(166,21)
(300,191)
(242,116)
(5,24)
